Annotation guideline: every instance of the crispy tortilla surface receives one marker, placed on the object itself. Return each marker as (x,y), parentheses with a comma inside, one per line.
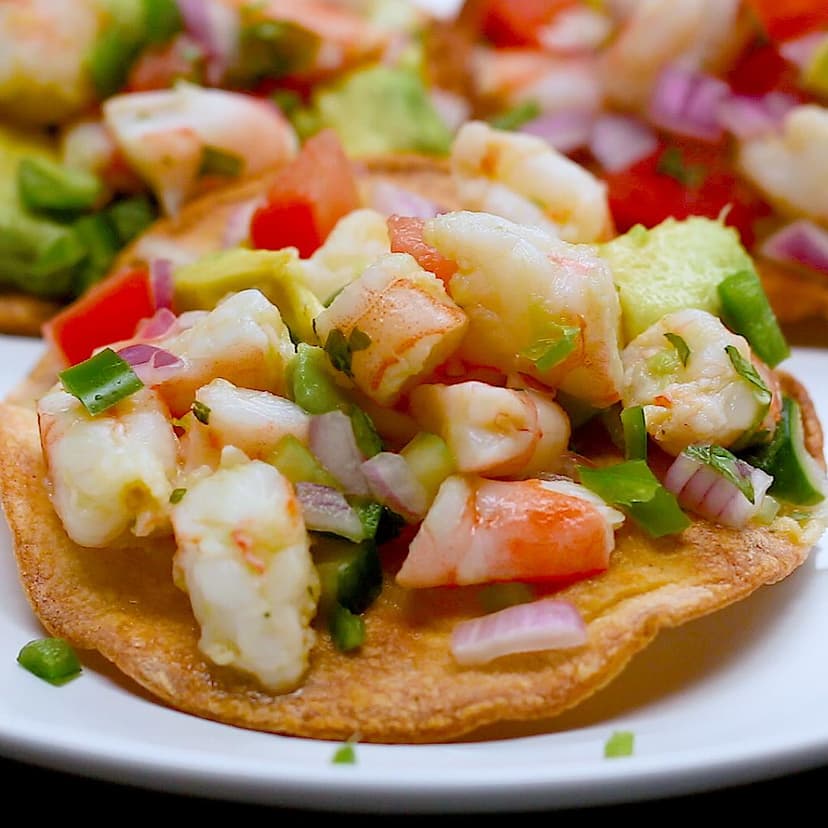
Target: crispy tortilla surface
(403,685)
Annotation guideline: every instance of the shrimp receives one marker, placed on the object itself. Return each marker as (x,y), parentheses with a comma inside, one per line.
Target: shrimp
(252,421)
(528,296)
(523,178)
(493,431)
(356,241)
(703,397)
(480,531)
(243,339)
(402,323)
(701,34)
(112,473)
(791,168)
(243,557)
(167,135)
(44,46)
(556,84)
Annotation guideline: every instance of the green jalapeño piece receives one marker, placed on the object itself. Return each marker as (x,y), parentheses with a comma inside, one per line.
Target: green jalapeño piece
(51,659)
(101,381)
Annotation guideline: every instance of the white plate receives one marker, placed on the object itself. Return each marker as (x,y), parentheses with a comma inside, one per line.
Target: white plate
(735,697)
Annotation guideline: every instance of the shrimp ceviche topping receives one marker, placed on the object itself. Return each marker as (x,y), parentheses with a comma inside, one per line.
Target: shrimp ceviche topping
(489,397)
(113,112)
(683,107)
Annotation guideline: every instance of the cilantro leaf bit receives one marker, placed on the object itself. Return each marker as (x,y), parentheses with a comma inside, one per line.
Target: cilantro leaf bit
(201,412)
(517,116)
(177,495)
(340,350)
(672,163)
(619,744)
(101,381)
(51,659)
(682,348)
(631,486)
(217,161)
(554,345)
(721,461)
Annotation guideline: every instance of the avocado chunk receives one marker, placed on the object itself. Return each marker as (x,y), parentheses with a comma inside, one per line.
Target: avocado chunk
(296,462)
(676,265)
(797,477)
(276,273)
(381,109)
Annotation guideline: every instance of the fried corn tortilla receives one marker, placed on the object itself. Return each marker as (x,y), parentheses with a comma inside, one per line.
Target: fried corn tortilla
(403,685)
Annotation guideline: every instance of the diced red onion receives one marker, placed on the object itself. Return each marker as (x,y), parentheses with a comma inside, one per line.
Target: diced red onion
(325,509)
(161,279)
(800,51)
(703,490)
(237,228)
(547,624)
(393,483)
(619,141)
(152,365)
(567,130)
(749,117)
(214,26)
(391,200)
(158,325)
(331,440)
(687,102)
(799,243)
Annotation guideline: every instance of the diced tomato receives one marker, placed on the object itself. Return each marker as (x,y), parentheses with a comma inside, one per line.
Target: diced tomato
(761,69)
(407,237)
(308,198)
(509,23)
(645,194)
(107,313)
(787,19)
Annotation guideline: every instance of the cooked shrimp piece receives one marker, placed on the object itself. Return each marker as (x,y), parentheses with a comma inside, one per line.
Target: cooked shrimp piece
(244,559)
(480,531)
(705,400)
(344,36)
(555,83)
(44,46)
(791,168)
(166,136)
(493,431)
(399,324)
(110,474)
(535,304)
(523,178)
(357,240)
(253,421)
(700,34)
(243,339)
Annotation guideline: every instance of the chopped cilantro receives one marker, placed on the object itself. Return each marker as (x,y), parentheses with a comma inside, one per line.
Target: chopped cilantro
(201,412)
(344,754)
(672,163)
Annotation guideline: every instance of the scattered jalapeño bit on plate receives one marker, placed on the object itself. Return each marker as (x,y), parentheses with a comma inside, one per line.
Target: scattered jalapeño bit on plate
(51,659)
(619,744)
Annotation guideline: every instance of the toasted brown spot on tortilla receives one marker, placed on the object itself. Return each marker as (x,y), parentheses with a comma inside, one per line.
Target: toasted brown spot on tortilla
(23,315)
(403,685)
